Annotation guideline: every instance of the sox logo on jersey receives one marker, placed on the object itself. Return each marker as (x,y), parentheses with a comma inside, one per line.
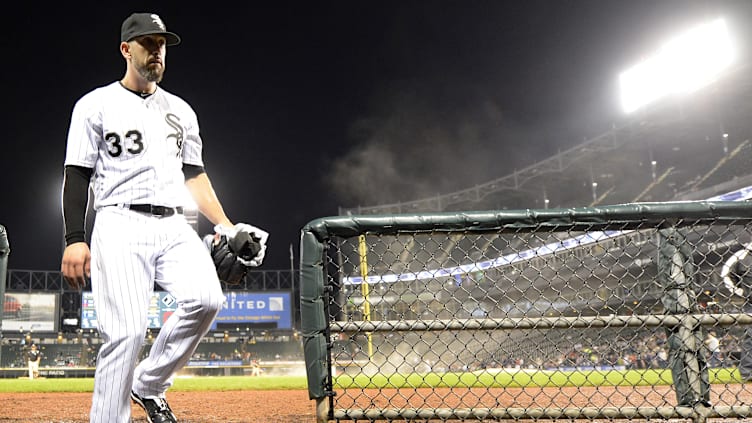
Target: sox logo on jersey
(174,122)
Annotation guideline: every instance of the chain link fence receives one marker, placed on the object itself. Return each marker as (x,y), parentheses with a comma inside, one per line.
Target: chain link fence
(634,311)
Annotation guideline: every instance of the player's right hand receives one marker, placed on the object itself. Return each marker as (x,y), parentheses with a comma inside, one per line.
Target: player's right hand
(76,264)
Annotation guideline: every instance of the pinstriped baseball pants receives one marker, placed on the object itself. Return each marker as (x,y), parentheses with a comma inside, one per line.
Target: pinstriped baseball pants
(130,252)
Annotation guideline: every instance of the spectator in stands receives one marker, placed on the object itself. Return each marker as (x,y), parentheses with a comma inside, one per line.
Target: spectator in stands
(246,358)
(34,357)
(730,349)
(59,359)
(714,349)
(662,356)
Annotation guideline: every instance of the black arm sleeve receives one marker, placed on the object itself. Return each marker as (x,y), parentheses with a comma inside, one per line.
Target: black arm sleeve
(191,171)
(75,200)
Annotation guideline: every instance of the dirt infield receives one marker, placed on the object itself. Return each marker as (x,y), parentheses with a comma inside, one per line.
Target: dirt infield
(293,406)
(190,407)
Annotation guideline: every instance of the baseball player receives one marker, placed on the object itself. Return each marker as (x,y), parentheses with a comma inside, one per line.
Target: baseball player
(736,273)
(136,146)
(34,356)
(256,367)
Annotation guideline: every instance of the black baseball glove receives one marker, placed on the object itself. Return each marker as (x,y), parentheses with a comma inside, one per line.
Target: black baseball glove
(235,251)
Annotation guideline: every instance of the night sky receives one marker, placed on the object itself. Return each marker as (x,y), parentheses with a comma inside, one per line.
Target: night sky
(311,105)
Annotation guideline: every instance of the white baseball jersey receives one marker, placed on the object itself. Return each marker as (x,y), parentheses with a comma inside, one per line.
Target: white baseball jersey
(136,145)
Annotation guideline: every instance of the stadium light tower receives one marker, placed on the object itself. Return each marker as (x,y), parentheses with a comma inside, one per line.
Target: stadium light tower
(682,65)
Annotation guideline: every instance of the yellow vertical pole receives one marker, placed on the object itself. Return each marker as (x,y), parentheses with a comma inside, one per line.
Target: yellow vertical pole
(364,288)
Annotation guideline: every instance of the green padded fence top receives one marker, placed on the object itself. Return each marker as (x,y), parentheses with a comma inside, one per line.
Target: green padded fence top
(673,213)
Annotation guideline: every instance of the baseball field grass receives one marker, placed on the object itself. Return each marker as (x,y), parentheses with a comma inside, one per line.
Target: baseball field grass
(203,383)
(524,378)
(502,378)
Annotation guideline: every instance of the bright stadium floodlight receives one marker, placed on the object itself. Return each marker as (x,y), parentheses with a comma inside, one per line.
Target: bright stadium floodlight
(682,65)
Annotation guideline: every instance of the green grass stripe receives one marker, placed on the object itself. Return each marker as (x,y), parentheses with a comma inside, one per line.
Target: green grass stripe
(525,378)
(202,383)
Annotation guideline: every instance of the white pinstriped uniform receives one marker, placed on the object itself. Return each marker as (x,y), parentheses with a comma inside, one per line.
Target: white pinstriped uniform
(136,147)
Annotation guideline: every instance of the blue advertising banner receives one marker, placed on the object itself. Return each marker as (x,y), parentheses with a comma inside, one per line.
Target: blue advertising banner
(239,307)
(256,307)
(161,306)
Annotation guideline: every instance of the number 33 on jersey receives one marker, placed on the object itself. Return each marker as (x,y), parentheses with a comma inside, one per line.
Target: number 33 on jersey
(135,139)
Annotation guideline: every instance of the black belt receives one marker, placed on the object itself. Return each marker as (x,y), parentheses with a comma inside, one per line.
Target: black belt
(155,210)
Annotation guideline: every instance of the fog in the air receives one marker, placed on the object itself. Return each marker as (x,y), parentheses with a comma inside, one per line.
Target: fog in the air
(420,143)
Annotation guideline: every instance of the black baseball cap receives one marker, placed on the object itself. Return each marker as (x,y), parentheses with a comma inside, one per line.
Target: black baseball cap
(138,24)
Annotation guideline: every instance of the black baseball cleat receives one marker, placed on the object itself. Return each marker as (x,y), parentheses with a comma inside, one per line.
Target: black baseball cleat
(157,409)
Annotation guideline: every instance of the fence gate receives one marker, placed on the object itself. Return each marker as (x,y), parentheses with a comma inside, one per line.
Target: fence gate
(635,311)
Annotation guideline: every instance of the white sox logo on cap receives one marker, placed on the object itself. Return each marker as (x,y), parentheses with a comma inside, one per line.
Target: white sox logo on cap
(138,24)
(156,19)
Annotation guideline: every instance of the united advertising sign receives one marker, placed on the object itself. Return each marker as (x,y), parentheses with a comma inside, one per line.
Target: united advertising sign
(271,308)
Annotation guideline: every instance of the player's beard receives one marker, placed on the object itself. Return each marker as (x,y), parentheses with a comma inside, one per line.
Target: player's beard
(151,72)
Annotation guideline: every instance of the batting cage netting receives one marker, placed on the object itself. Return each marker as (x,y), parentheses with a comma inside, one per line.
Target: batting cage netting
(634,311)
